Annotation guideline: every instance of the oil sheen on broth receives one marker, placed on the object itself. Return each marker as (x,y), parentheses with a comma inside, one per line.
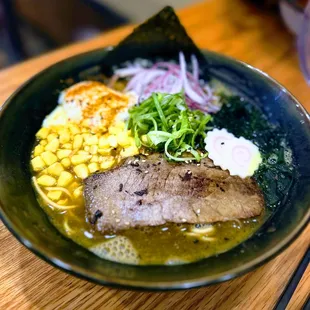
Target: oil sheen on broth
(172,242)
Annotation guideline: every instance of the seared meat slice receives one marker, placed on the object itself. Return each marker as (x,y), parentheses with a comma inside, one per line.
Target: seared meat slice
(152,191)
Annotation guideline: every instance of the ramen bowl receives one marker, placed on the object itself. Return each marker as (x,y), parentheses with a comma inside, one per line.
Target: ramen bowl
(21,117)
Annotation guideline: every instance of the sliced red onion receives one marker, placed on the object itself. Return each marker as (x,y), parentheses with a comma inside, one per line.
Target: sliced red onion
(195,66)
(187,87)
(124,72)
(170,78)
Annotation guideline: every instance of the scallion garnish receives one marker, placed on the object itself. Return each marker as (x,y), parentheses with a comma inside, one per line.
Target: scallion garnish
(163,122)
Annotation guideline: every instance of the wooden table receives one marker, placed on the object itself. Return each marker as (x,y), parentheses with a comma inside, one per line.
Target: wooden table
(230,27)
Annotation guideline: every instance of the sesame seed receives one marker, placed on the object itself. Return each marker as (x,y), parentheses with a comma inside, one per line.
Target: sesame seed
(198,211)
(183,220)
(113,212)
(146,171)
(126,223)
(198,165)
(143,160)
(117,220)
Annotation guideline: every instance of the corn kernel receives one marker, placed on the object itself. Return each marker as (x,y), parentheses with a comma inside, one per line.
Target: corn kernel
(104,152)
(46,180)
(103,142)
(38,150)
(81,171)
(86,122)
(51,137)
(43,133)
(129,151)
(75,129)
(78,192)
(114,130)
(37,163)
(91,140)
(86,135)
(64,136)
(120,125)
(94,159)
(62,202)
(112,141)
(93,149)
(93,167)
(77,141)
(65,178)
(66,162)
(123,139)
(43,142)
(48,157)
(84,130)
(52,145)
(106,164)
(54,195)
(55,169)
(83,152)
(80,159)
(86,148)
(74,185)
(67,146)
(63,153)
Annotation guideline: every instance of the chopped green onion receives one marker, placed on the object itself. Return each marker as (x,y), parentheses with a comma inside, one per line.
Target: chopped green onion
(164,123)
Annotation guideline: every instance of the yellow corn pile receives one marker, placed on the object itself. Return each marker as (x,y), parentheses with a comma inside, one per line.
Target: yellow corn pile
(65,155)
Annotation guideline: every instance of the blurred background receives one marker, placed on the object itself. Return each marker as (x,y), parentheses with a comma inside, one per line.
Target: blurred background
(31,27)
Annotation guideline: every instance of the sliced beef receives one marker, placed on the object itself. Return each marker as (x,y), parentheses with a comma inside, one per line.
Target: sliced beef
(151,191)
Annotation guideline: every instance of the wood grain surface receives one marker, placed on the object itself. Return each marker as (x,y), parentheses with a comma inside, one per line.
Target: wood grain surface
(234,28)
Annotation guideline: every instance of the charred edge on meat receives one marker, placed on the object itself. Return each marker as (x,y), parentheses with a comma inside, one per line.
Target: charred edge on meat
(187,176)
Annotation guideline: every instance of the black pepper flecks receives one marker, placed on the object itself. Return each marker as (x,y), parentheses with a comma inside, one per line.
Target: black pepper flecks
(139,202)
(142,192)
(139,170)
(95,217)
(121,186)
(134,164)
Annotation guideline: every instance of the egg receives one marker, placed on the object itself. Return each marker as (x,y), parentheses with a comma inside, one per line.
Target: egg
(239,156)
(57,117)
(92,103)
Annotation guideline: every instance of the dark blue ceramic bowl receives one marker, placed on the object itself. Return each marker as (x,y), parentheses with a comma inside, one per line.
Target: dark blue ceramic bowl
(21,117)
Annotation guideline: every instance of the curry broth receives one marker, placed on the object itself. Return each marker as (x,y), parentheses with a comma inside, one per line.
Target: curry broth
(166,244)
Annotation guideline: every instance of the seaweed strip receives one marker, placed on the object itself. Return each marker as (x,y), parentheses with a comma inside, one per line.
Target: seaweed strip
(161,36)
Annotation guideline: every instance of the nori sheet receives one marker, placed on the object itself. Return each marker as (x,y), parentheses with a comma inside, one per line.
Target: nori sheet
(161,36)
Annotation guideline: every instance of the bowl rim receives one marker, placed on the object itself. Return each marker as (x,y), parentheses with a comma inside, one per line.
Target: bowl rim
(167,285)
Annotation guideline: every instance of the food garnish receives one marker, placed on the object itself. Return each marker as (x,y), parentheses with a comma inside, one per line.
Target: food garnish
(171,78)
(164,122)
(238,155)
